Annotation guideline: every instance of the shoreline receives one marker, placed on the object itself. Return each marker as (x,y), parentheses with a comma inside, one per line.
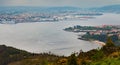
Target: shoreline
(98,42)
(93,41)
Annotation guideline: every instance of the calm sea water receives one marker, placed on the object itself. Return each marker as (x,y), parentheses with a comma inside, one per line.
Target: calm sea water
(49,36)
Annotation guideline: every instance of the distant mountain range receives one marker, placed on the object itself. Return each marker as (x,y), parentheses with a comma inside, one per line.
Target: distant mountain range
(21,9)
(107,9)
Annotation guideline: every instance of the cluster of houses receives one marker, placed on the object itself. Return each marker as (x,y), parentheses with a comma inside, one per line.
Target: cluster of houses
(114,31)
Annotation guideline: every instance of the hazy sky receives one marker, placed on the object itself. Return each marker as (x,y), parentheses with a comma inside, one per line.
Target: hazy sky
(76,3)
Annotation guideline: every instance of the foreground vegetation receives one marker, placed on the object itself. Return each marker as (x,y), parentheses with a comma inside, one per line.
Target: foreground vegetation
(107,55)
(13,56)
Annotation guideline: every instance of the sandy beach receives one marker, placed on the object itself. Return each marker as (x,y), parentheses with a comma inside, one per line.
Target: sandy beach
(98,42)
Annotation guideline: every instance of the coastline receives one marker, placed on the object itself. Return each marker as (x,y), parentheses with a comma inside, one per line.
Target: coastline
(98,42)
(93,41)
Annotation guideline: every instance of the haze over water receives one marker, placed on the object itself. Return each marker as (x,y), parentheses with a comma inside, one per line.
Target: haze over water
(50,36)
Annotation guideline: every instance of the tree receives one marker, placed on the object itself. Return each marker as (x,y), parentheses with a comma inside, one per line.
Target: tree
(109,42)
(72,60)
(98,55)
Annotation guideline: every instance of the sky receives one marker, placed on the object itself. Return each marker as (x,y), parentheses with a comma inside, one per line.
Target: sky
(74,3)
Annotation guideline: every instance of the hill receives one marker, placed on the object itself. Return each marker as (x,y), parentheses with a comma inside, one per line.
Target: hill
(107,9)
(107,55)
(12,55)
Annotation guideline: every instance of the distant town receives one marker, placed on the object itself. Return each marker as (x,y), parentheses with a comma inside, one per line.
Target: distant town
(13,15)
(43,17)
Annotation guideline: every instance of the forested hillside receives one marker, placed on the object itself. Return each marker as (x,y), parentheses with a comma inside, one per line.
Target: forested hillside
(107,55)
